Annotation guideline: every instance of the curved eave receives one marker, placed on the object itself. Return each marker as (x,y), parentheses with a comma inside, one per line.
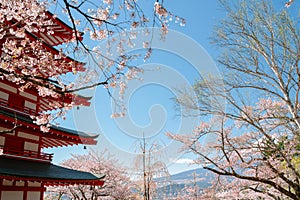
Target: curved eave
(48,45)
(77,100)
(78,65)
(44,103)
(56,137)
(46,173)
(81,100)
(62,32)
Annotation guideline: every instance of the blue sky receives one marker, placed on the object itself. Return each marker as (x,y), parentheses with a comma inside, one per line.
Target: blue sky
(149,101)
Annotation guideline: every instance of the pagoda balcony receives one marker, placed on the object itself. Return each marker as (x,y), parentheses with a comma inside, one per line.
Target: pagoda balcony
(26,154)
(4,104)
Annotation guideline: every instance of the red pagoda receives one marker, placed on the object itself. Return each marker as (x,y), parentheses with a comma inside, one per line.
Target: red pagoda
(25,170)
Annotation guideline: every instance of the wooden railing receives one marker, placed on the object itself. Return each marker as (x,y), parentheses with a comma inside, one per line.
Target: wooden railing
(23,110)
(26,154)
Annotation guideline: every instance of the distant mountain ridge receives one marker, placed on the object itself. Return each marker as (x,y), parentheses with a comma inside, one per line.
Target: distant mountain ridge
(175,183)
(188,176)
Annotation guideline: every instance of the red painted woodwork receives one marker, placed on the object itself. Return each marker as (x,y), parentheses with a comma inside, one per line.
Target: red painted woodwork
(69,63)
(16,101)
(42,193)
(22,188)
(15,107)
(14,112)
(27,154)
(51,182)
(13,145)
(61,138)
(42,104)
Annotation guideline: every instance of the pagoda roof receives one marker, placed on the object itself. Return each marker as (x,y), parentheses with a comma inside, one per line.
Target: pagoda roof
(57,136)
(47,173)
(73,132)
(68,64)
(49,47)
(76,99)
(62,32)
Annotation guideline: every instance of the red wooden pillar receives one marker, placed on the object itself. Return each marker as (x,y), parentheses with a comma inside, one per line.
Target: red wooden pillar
(42,191)
(1,182)
(25,191)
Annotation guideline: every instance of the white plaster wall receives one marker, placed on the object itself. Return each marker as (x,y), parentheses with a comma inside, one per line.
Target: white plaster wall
(2,140)
(34,184)
(12,195)
(7,182)
(29,136)
(3,95)
(3,129)
(33,195)
(31,146)
(28,95)
(20,183)
(30,105)
(8,87)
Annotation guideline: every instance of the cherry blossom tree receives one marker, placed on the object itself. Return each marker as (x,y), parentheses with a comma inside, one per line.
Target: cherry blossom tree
(289,3)
(26,61)
(148,168)
(249,130)
(191,190)
(117,182)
